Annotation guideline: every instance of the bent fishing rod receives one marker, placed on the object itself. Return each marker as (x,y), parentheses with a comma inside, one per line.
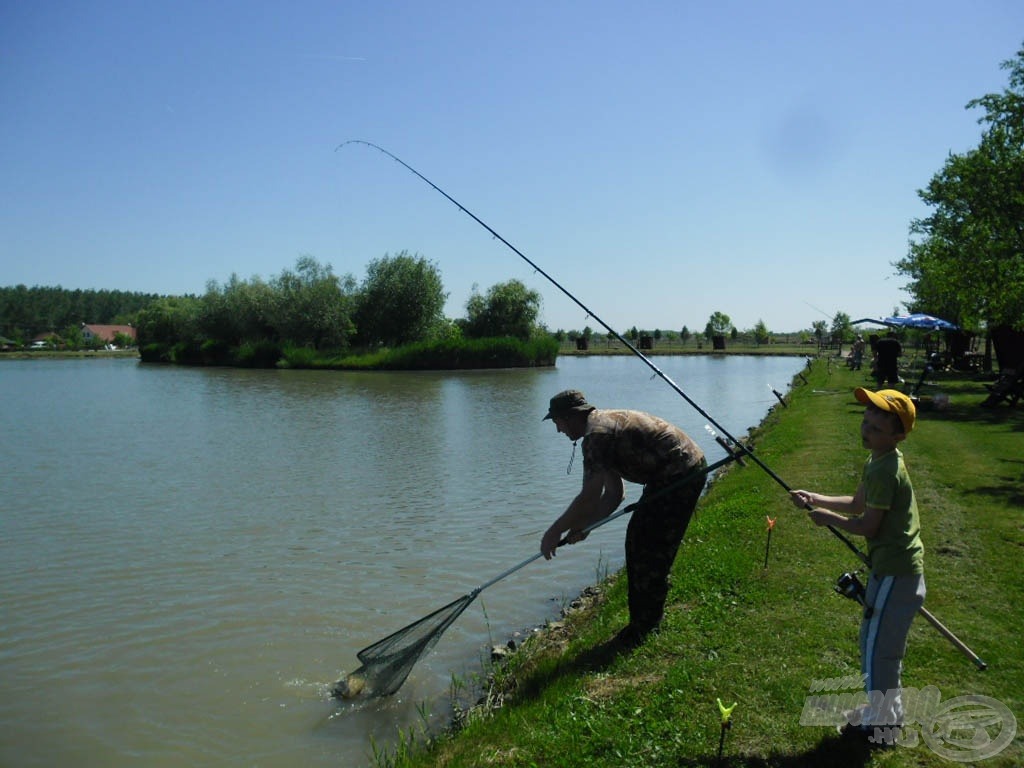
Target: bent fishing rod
(650,364)
(590,313)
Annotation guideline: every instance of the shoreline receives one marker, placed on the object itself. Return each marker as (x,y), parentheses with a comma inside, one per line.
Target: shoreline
(59,354)
(741,626)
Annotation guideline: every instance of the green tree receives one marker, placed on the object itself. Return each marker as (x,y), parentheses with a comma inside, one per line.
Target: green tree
(842,329)
(123,341)
(313,306)
(968,263)
(238,311)
(684,334)
(168,320)
(73,337)
(761,334)
(401,300)
(508,309)
(720,324)
(820,328)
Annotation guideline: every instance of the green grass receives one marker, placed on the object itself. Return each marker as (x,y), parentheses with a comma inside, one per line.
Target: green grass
(760,637)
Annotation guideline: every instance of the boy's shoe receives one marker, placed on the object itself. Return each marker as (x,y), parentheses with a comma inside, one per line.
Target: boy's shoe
(860,734)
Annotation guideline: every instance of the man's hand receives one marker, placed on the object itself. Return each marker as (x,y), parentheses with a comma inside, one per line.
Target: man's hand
(574,536)
(549,542)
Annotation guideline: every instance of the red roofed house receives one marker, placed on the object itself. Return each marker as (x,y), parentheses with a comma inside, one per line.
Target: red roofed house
(106,333)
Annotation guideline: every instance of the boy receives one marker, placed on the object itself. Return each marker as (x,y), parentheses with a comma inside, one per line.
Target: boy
(884,511)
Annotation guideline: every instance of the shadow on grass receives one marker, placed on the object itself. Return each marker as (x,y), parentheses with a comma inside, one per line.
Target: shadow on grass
(832,752)
(593,659)
(1011,488)
(972,411)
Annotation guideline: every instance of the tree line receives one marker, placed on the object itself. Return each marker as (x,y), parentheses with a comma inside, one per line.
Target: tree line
(399,302)
(28,312)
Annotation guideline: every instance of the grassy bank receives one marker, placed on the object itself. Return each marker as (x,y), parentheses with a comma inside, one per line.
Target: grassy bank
(761,637)
(612,346)
(451,354)
(458,354)
(41,354)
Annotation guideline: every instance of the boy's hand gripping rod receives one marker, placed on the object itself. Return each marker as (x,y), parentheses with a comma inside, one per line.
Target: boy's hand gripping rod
(661,374)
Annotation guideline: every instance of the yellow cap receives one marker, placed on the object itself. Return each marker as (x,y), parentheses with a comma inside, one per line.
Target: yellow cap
(890,400)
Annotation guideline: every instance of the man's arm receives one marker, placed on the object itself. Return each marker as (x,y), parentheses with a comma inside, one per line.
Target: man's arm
(601,494)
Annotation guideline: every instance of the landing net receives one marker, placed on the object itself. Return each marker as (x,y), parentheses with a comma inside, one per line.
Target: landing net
(388,662)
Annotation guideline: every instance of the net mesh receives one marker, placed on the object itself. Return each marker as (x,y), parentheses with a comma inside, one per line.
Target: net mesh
(388,662)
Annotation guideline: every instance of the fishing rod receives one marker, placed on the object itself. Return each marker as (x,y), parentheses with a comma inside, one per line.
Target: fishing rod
(590,313)
(650,364)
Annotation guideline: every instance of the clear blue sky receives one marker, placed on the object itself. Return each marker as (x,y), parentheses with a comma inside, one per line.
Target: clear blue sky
(662,160)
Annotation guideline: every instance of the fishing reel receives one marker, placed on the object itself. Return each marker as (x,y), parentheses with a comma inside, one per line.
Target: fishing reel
(848,585)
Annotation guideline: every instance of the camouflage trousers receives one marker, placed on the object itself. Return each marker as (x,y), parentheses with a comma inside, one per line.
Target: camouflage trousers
(653,536)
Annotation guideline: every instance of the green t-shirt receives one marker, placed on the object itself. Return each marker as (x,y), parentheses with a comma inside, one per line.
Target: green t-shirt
(896,548)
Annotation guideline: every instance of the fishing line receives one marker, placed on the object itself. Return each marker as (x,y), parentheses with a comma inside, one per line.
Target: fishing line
(816,309)
(590,313)
(740,447)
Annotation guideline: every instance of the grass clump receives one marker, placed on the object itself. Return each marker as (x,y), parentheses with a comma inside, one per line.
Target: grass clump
(457,354)
(765,637)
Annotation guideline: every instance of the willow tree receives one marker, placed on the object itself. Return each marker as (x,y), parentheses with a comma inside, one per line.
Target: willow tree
(400,301)
(313,306)
(507,309)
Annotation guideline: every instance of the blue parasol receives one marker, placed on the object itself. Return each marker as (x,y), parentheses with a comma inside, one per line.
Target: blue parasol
(922,321)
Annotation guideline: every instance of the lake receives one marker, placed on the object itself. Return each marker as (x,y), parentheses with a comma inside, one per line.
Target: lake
(190,557)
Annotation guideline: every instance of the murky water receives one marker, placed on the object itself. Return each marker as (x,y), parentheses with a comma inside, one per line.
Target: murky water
(188,558)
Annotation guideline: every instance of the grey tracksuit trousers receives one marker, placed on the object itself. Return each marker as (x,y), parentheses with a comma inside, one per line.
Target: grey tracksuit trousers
(891,603)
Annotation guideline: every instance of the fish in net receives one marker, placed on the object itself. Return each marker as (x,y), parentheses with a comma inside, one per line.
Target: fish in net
(387,663)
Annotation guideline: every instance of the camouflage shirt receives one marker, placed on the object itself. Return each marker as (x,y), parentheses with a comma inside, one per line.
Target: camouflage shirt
(638,446)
